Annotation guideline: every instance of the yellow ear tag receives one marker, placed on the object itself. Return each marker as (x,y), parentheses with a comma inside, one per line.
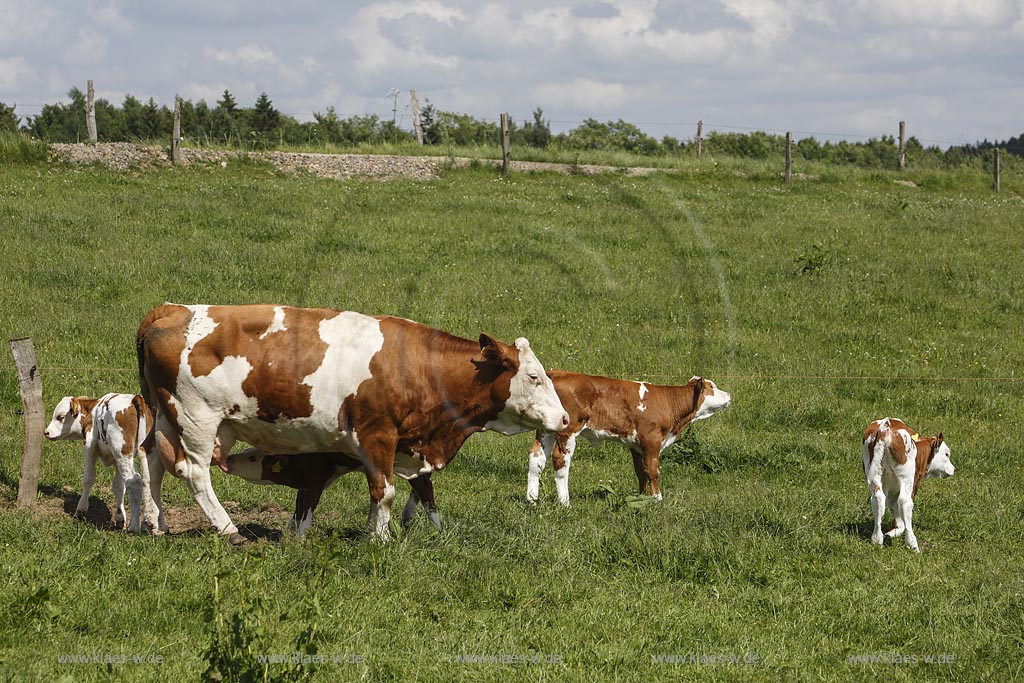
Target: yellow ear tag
(276,467)
(915,437)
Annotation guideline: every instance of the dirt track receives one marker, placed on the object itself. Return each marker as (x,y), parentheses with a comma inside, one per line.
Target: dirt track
(125,156)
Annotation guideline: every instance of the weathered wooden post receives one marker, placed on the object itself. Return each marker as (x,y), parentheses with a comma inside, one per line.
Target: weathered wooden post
(901,154)
(90,112)
(30,384)
(176,133)
(995,171)
(417,126)
(789,158)
(506,146)
(700,133)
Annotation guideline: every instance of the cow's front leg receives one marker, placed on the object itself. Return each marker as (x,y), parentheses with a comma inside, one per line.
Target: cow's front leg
(88,479)
(540,451)
(652,465)
(422,492)
(379,453)
(306,501)
(561,459)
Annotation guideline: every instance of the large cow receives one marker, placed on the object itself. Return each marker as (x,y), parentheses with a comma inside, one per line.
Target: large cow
(398,396)
(646,418)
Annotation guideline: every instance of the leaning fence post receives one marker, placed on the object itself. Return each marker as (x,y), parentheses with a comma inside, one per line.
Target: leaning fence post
(176,133)
(506,146)
(995,170)
(30,384)
(901,152)
(90,112)
(789,158)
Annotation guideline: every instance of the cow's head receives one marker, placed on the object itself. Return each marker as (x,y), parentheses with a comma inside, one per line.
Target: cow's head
(939,463)
(68,420)
(532,402)
(710,399)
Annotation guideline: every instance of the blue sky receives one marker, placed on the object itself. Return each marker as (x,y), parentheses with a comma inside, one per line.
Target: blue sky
(954,70)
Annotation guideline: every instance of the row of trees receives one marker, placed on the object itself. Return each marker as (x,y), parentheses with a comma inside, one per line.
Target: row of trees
(262,126)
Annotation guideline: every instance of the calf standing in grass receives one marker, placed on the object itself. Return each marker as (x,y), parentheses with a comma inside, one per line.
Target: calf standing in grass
(308,473)
(896,458)
(112,429)
(646,418)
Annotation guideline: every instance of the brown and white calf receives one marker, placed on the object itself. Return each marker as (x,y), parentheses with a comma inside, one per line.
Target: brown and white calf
(112,429)
(397,396)
(308,473)
(646,418)
(896,458)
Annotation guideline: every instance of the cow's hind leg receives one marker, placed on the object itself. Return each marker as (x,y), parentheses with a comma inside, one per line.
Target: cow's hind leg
(118,486)
(195,471)
(132,486)
(88,479)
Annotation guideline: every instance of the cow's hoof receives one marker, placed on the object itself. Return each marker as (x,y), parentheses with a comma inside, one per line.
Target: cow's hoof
(235,539)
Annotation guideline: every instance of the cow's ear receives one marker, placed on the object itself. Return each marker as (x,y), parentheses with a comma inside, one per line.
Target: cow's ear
(490,348)
(700,384)
(74,408)
(938,441)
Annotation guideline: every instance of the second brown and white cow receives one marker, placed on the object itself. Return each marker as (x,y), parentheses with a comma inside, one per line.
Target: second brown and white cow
(397,396)
(896,458)
(112,429)
(646,418)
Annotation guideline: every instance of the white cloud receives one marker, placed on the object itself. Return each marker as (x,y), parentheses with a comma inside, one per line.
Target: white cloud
(377,52)
(949,14)
(244,55)
(583,94)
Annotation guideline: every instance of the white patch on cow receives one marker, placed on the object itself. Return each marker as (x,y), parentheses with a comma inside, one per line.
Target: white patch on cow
(532,402)
(277,324)
(410,466)
(352,341)
(668,441)
(643,390)
(598,436)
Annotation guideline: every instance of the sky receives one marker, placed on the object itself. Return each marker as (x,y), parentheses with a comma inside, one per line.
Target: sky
(953,69)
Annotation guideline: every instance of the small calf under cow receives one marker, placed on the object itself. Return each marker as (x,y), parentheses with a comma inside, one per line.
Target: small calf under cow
(646,418)
(396,396)
(896,458)
(112,430)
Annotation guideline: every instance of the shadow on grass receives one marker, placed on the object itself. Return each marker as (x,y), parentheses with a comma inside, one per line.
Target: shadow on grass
(861,529)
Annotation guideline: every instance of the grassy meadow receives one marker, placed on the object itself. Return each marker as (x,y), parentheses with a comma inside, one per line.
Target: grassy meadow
(820,306)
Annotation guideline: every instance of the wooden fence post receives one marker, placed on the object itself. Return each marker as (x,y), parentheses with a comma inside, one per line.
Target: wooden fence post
(700,134)
(995,172)
(901,154)
(90,112)
(30,384)
(417,127)
(789,158)
(506,145)
(176,133)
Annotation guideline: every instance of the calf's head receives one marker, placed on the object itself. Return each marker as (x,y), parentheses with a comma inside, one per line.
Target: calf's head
(531,402)
(939,463)
(710,399)
(69,418)
(251,465)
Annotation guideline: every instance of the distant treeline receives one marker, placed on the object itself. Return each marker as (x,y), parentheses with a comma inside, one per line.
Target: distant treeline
(263,126)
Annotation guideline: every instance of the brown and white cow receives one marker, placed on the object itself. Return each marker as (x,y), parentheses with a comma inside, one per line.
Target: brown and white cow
(646,418)
(896,458)
(112,429)
(396,395)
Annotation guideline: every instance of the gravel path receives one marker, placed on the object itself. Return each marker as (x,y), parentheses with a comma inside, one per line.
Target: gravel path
(125,156)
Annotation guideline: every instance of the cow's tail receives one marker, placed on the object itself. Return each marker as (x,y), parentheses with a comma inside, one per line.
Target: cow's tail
(140,348)
(143,417)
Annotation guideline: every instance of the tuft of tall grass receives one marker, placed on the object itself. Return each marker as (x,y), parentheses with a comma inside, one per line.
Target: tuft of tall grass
(19,148)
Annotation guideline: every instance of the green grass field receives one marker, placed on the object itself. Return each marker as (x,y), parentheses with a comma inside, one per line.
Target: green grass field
(820,306)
